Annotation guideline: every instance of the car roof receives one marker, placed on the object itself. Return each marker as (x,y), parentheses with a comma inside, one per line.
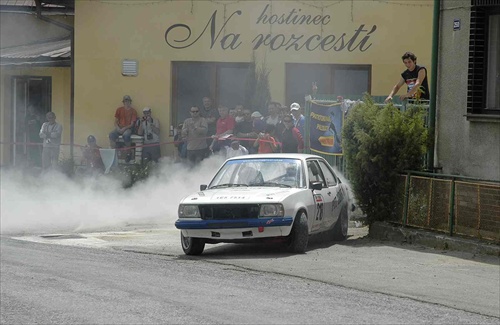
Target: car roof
(301,156)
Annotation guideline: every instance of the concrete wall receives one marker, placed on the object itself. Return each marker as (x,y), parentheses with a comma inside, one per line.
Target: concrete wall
(464,147)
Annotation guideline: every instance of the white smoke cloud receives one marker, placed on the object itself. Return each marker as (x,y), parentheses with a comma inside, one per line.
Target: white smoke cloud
(51,202)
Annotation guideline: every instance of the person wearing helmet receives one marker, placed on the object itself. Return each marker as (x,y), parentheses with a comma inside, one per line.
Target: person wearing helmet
(92,160)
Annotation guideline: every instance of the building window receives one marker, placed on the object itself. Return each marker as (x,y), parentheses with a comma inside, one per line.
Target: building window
(483,91)
(224,83)
(349,81)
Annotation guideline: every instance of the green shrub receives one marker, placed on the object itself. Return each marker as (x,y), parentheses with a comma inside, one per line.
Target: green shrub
(378,143)
(131,174)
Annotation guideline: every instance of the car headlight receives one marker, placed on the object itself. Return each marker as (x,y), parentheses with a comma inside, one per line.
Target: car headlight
(272,210)
(188,211)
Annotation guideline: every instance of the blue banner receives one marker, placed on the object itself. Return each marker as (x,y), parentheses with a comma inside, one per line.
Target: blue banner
(326,128)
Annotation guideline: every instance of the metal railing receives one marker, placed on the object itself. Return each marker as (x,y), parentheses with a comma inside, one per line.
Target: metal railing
(450,204)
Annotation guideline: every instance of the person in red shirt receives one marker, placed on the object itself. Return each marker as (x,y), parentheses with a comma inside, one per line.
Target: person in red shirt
(266,142)
(125,118)
(225,126)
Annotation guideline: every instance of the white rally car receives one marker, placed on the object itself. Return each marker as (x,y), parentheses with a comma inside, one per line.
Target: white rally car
(266,196)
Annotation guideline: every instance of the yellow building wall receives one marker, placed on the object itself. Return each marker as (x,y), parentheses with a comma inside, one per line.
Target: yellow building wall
(108,32)
(61,97)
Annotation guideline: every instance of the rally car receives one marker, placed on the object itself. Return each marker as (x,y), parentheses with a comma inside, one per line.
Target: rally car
(284,197)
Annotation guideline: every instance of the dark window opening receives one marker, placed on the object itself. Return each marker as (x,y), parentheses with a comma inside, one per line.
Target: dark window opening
(224,83)
(483,88)
(350,81)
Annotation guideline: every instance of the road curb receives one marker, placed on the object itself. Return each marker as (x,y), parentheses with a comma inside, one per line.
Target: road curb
(386,231)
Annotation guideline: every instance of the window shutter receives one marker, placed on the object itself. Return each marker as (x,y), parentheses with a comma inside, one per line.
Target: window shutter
(477,60)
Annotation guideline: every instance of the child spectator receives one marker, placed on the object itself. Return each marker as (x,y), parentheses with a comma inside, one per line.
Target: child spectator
(266,142)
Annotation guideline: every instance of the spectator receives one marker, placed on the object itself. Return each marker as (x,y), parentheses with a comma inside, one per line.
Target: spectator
(194,131)
(239,114)
(298,119)
(225,127)
(149,128)
(50,132)
(232,112)
(274,110)
(259,125)
(265,142)
(235,149)
(92,160)
(179,144)
(415,77)
(291,139)
(125,117)
(210,114)
(245,129)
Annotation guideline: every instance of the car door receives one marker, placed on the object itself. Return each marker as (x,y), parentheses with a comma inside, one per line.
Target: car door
(320,196)
(333,201)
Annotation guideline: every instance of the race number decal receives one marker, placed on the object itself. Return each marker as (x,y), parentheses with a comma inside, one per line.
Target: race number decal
(318,198)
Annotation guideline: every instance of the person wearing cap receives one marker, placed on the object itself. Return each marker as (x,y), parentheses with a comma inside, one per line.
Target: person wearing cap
(92,160)
(149,128)
(298,119)
(259,125)
(125,117)
(235,149)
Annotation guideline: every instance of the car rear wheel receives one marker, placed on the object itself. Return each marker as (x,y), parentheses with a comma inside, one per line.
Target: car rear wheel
(341,226)
(192,246)
(299,237)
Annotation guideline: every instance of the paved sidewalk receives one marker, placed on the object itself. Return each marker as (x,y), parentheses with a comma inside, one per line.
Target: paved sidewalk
(440,241)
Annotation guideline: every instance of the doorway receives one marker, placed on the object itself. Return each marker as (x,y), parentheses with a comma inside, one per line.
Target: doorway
(32,97)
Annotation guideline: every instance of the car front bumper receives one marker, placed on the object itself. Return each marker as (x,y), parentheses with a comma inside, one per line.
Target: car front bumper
(235,229)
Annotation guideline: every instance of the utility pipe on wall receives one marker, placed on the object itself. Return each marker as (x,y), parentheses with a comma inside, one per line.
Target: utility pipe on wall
(433,90)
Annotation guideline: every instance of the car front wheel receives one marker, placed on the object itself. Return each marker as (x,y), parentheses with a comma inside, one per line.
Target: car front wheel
(192,246)
(299,237)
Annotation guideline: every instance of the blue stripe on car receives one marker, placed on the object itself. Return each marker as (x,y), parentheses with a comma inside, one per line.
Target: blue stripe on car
(240,223)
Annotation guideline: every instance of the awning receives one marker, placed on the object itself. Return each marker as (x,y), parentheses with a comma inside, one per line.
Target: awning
(45,53)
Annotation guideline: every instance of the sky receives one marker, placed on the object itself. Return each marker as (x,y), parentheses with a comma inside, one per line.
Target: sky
(54,203)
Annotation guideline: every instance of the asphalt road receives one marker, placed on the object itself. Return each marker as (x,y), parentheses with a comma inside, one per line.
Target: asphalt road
(146,279)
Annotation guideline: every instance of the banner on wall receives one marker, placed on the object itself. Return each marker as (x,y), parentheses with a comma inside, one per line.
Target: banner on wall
(326,121)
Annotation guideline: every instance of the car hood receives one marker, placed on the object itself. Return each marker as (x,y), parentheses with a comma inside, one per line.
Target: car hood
(240,195)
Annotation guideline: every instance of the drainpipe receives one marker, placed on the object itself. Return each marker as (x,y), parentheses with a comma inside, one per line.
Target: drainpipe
(433,90)
(72,100)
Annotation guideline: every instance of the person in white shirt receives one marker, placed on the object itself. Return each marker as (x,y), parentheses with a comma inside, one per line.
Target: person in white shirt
(51,132)
(235,150)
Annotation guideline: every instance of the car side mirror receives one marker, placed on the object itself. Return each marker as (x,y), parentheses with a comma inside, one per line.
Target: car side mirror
(203,187)
(316,186)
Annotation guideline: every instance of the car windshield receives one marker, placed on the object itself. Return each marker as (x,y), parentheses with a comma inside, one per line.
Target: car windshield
(268,172)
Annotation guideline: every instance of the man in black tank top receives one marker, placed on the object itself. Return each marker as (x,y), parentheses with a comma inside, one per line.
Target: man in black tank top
(415,77)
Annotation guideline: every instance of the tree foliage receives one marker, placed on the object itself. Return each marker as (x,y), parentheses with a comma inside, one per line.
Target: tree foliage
(380,142)
(257,93)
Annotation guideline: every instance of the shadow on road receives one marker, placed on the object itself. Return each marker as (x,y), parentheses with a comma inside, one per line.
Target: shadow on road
(317,243)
